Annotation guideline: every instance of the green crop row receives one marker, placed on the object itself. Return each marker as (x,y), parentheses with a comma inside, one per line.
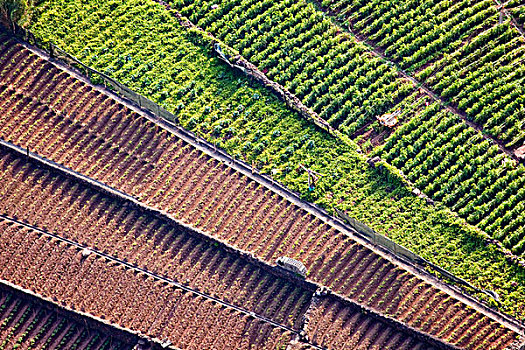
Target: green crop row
(282,36)
(295,45)
(459,49)
(142,45)
(453,163)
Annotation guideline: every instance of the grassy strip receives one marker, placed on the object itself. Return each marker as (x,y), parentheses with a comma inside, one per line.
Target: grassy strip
(141,45)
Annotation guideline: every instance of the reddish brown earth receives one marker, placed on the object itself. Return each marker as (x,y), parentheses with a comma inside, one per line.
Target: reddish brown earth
(76,212)
(335,325)
(48,111)
(133,300)
(296,345)
(26,324)
(79,213)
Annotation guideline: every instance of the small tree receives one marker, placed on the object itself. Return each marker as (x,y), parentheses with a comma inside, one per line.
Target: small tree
(11,12)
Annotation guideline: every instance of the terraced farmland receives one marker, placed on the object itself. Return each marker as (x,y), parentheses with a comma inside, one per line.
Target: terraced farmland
(108,290)
(201,192)
(302,50)
(221,106)
(74,211)
(453,164)
(417,33)
(438,42)
(489,91)
(480,70)
(27,324)
(467,57)
(335,325)
(133,256)
(152,244)
(230,281)
(461,51)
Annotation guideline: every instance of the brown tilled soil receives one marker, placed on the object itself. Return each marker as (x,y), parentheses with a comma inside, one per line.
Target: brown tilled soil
(58,270)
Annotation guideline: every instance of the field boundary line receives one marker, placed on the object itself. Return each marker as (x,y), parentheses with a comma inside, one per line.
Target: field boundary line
(502,8)
(265,180)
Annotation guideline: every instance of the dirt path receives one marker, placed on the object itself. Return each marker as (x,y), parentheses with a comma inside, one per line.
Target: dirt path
(501,7)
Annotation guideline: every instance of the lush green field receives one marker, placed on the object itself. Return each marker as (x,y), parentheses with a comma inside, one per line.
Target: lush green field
(342,81)
(458,49)
(452,163)
(463,53)
(298,47)
(141,44)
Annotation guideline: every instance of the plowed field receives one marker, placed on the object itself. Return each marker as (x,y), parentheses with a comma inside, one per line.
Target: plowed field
(76,212)
(338,326)
(28,325)
(133,300)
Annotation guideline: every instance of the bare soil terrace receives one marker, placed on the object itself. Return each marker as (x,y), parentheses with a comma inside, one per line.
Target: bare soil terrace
(165,249)
(76,212)
(27,324)
(133,300)
(337,326)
